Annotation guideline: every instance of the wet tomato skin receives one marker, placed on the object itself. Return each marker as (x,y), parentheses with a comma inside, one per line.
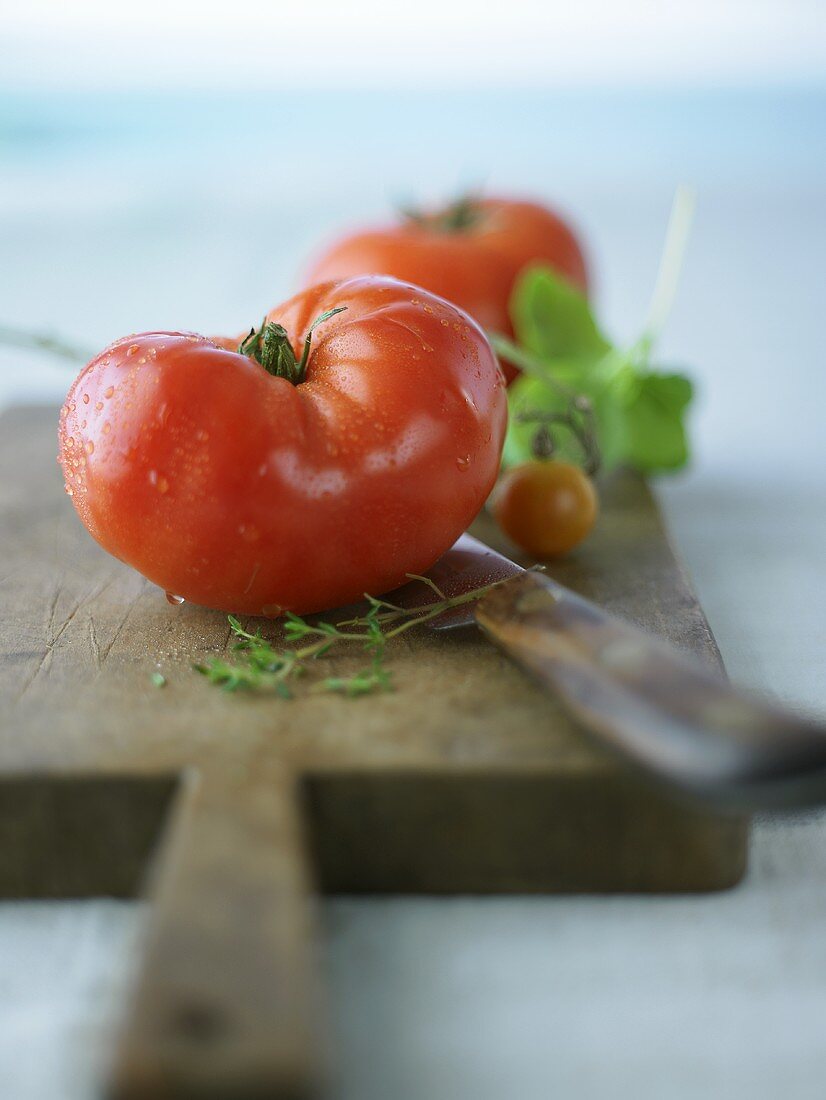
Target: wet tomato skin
(241,491)
(545,507)
(475,267)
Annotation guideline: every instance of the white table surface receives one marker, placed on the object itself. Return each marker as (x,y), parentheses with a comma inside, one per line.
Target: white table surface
(139,222)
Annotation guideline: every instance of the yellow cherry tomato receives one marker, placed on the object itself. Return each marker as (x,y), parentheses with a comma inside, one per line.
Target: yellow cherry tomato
(545,507)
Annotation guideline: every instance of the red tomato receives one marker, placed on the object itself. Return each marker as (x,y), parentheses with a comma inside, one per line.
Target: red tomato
(470,254)
(242,491)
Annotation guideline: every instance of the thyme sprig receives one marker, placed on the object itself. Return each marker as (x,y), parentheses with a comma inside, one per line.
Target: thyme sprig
(262,667)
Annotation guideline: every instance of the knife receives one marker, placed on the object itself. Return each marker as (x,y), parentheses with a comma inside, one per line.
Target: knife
(640,696)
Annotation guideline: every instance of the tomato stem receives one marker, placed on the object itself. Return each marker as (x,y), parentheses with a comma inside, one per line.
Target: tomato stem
(578,419)
(270,346)
(458,217)
(305,354)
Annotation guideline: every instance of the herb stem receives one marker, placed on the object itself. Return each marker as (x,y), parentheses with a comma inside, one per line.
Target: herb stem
(529,364)
(265,667)
(671,263)
(43,341)
(579,416)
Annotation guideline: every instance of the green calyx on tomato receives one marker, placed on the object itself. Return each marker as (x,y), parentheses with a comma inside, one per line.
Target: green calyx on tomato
(270,346)
(463,214)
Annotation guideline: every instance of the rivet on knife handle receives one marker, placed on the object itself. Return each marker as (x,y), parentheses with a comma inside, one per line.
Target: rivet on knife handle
(678,720)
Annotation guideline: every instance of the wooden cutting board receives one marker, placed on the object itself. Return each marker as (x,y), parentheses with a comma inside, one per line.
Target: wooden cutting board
(230,809)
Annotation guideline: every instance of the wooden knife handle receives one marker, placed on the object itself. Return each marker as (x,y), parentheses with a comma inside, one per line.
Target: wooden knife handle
(648,701)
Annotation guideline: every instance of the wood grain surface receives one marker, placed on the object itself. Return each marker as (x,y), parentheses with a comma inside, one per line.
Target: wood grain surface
(230,810)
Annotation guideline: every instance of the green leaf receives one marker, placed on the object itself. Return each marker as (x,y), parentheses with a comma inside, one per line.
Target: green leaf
(529,394)
(653,407)
(639,413)
(611,427)
(640,417)
(553,320)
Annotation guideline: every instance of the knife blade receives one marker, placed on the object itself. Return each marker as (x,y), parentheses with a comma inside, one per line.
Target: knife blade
(661,710)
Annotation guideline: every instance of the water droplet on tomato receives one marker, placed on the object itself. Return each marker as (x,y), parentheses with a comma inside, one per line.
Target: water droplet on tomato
(463,462)
(272,610)
(86,399)
(98,406)
(90,448)
(109,392)
(132,349)
(173,599)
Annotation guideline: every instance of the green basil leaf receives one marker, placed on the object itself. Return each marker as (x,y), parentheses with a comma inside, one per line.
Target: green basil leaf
(530,394)
(552,319)
(639,412)
(525,394)
(652,407)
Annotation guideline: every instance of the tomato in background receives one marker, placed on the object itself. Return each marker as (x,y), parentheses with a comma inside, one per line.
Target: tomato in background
(470,253)
(251,492)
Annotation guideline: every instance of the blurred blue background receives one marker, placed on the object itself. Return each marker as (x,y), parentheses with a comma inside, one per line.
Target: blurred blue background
(137,209)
